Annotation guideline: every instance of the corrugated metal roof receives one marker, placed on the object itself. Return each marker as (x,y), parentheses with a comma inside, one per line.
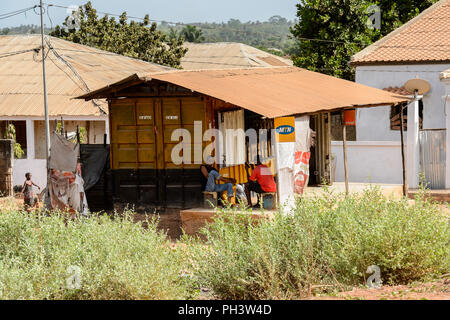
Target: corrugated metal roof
(228,55)
(426,38)
(271,92)
(73,70)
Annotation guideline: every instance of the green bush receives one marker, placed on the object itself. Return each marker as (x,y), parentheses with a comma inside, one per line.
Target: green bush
(118,259)
(326,244)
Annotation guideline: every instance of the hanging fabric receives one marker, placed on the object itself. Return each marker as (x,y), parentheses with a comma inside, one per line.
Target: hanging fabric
(302,154)
(232,128)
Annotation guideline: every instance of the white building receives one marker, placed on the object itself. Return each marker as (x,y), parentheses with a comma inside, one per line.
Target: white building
(420,48)
(72,70)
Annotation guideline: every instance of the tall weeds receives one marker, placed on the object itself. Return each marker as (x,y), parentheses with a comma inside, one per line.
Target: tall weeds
(118,259)
(326,244)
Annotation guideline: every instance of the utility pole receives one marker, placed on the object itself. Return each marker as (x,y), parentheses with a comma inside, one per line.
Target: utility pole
(47,127)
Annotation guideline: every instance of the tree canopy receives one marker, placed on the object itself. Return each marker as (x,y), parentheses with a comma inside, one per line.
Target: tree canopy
(140,40)
(192,34)
(340,29)
(272,35)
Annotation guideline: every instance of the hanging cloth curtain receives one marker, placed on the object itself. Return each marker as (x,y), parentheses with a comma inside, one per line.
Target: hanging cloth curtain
(233,131)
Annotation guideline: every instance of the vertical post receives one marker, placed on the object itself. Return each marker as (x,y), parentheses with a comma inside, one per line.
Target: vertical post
(107,129)
(78,134)
(447,154)
(62,126)
(30,139)
(47,126)
(412,149)
(329,153)
(402,138)
(344,144)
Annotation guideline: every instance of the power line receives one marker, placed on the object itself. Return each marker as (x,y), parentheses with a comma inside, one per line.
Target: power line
(8,54)
(17,12)
(202,27)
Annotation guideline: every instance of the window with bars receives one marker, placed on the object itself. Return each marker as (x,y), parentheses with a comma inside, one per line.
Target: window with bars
(395,117)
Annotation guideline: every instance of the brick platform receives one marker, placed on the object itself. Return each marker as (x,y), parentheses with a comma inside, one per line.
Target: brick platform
(438,195)
(193,220)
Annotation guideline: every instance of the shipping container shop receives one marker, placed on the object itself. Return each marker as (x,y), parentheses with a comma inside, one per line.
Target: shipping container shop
(145,112)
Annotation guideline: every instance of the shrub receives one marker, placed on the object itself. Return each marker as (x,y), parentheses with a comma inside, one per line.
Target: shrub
(118,259)
(326,244)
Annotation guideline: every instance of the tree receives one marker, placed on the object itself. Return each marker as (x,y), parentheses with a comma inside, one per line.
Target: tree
(192,34)
(136,40)
(173,34)
(10,133)
(340,29)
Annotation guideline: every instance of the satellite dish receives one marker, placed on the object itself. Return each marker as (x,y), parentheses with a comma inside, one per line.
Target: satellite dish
(419,85)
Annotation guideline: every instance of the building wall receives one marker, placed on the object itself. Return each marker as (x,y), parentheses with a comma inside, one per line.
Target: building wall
(369,161)
(95,132)
(376,155)
(35,160)
(373,124)
(37,168)
(447,93)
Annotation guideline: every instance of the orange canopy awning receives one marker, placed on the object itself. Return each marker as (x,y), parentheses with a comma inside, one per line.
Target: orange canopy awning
(271,92)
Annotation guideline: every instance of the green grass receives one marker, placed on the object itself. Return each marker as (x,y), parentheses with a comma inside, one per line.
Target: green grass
(118,259)
(323,246)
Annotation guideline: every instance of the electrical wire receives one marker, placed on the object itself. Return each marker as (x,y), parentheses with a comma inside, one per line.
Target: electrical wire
(48,15)
(15,13)
(249,32)
(13,53)
(85,85)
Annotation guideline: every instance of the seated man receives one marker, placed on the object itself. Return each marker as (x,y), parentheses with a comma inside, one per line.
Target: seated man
(261,180)
(212,175)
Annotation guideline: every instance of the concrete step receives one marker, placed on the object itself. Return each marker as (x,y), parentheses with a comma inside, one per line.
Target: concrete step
(438,195)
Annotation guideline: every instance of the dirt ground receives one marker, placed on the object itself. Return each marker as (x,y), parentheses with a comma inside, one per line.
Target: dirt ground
(437,290)
(169,222)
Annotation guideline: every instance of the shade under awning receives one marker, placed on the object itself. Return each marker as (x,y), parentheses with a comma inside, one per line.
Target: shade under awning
(271,92)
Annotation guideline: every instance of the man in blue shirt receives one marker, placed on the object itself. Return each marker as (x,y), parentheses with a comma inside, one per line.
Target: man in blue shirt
(213,176)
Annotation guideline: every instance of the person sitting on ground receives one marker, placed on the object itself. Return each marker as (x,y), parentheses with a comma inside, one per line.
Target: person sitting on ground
(212,176)
(28,195)
(260,181)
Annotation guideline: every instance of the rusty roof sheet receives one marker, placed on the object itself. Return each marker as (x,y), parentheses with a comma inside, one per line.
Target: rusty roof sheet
(424,39)
(228,55)
(72,69)
(271,92)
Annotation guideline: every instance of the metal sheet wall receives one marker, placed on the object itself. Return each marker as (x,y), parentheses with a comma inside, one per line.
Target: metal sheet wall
(141,148)
(432,157)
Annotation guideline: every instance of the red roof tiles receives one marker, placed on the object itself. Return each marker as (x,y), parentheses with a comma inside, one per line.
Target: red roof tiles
(425,38)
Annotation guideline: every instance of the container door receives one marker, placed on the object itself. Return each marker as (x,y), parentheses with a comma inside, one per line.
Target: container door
(146,135)
(141,144)
(182,183)
(123,135)
(124,153)
(192,110)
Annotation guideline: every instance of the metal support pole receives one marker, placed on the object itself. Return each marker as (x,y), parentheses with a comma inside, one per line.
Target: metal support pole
(344,143)
(402,138)
(47,126)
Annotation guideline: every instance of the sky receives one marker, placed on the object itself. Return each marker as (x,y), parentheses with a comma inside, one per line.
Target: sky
(185,11)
